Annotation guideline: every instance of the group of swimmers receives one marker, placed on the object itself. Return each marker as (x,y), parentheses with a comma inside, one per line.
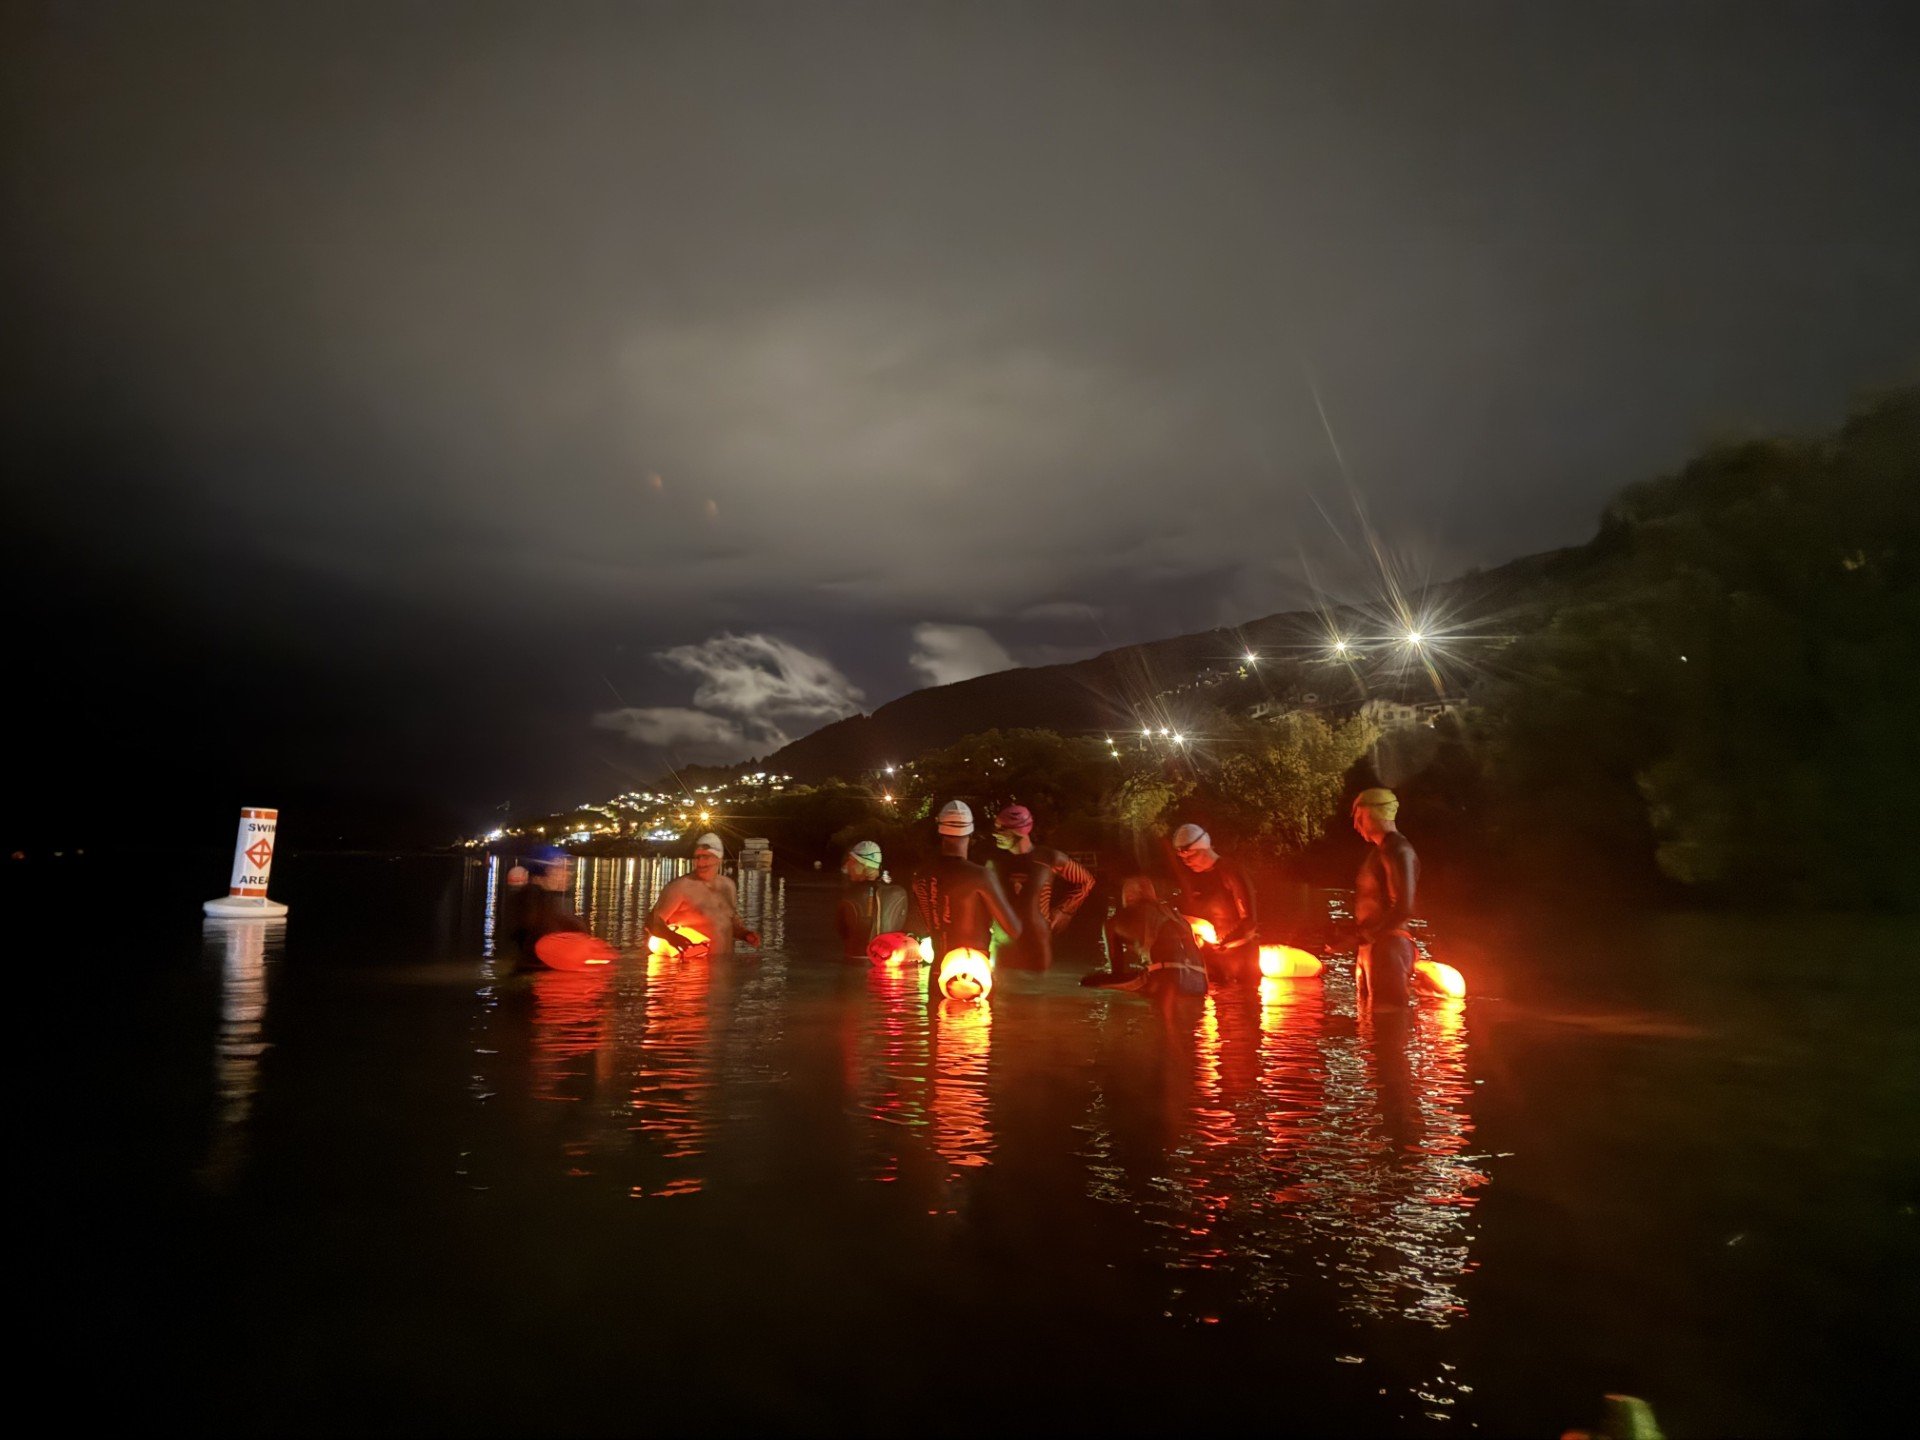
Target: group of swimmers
(1175,938)
(1164,937)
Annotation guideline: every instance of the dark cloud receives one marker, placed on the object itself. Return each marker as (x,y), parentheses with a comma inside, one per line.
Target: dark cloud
(571,336)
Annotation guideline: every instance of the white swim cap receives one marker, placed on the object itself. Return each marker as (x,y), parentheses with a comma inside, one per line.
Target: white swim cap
(1192,837)
(709,841)
(956,818)
(867,853)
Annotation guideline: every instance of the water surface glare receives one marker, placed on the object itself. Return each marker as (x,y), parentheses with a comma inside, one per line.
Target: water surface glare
(385,1185)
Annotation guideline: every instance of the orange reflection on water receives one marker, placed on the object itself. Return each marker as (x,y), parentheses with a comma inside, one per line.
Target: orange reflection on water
(569,1025)
(672,1076)
(962,1042)
(892,1086)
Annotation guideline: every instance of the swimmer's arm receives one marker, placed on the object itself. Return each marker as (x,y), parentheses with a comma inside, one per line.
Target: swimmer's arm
(1079,885)
(656,925)
(1241,893)
(999,907)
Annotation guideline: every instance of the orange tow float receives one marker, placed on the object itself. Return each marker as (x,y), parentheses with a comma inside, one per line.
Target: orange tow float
(1287,962)
(966,975)
(573,950)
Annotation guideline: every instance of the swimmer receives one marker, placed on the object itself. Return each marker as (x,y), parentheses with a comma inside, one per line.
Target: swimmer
(536,905)
(1148,930)
(1217,890)
(1046,886)
(704,901)
(869,907)
(1383,901)
(960,902)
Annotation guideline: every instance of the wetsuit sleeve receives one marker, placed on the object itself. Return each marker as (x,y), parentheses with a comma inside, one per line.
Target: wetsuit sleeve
(998,906)
(923,904)
(1240,891)
(1397,862)
(846,919)
(1075,883)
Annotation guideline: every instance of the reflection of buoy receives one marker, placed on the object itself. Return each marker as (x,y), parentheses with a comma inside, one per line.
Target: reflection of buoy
(657,946)
(246,897)
(896,947)
(966,975)
(1285,962)
(1203,931)
(573,950)
(1440,979)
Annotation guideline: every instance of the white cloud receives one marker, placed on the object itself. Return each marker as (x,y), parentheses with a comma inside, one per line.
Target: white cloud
(944,654)
(753,691)
(761,677)
(673,727)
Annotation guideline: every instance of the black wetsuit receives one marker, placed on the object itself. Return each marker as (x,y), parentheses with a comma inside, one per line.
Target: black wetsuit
(1161,936)
(1383,901)
(868,909)
(1046,887)
(1223,896)
(960,903)
(527,913)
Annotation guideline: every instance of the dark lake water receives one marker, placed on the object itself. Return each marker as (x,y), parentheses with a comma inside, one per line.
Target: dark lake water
(340,1175)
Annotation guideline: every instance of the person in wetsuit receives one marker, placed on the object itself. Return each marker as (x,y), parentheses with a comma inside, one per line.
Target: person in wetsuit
(869,906)
(1150,946)
(1383,901)
(960,902)
(537,906)
(1046,886)
(1216,890)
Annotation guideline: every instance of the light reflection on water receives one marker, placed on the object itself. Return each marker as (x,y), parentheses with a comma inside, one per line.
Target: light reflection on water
(1266,1183)
(244,950)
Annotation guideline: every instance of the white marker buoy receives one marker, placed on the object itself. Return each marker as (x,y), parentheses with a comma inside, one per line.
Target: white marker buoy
(246,897)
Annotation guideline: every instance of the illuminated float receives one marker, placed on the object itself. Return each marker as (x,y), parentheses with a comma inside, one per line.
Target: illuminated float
(1438,979)
(1203,930)
(896,947)
(658,946)
(966,975)
(1287,962)
(573,950)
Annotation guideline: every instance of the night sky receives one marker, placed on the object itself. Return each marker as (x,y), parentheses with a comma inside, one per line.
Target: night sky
(442,405)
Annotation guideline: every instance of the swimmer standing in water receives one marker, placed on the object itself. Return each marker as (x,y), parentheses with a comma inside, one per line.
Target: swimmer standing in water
(1217,890)
(869,907)
(960,902)
(1046,886)
(1383,901)
(1148,930)
(704,901)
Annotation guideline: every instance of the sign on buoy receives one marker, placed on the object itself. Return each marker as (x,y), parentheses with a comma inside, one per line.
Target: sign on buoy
(246,897)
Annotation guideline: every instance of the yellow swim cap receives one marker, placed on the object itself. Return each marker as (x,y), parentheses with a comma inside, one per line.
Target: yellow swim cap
(1378,798)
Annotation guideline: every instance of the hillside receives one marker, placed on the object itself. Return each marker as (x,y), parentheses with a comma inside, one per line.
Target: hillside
(1155,683)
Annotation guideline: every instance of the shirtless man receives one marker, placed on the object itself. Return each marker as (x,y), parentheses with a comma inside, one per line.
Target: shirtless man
(960,902)
(1046,886)
(704,901)
(1383,900)
(1217,890)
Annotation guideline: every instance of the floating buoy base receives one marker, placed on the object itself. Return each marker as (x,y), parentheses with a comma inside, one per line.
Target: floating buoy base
(239,907)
